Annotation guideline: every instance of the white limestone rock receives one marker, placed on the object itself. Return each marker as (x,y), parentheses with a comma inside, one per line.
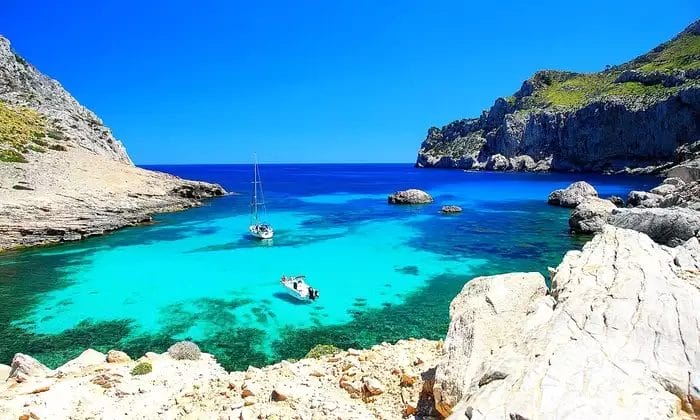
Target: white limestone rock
(24,367)
(573,195)
(622,339)
(591,215)
(487,315)
(88,358)
(668,226)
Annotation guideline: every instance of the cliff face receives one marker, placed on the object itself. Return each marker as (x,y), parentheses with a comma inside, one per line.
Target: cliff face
(63,176)
(65,122)
(629,116)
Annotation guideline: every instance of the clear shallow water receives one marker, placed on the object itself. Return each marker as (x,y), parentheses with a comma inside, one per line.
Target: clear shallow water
(384,272)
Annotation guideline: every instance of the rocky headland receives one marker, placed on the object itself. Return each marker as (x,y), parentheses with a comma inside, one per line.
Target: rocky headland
(63,175)
(636,117)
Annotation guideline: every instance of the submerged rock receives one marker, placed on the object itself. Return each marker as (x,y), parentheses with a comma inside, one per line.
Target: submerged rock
(410,196)
(591,215)
(573,195)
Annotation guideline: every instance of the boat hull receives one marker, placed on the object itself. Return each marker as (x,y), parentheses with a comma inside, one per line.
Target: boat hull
(261,234)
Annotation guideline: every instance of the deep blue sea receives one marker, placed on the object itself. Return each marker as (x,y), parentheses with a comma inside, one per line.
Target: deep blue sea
(384,272)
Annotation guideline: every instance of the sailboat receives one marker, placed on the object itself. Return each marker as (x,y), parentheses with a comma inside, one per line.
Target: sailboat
(257,228)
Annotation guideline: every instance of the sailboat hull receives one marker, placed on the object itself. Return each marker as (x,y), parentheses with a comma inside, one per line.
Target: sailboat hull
(260,232)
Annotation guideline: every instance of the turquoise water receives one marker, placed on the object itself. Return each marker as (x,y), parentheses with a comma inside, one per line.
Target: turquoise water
(384,272)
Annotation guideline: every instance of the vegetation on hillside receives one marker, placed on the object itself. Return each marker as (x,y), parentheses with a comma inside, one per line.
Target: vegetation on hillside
(568,91)
(23,130)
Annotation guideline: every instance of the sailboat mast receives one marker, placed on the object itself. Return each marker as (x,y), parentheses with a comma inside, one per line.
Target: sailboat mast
(254,202)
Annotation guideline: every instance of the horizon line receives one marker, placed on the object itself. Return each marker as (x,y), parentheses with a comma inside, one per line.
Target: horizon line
(277,163)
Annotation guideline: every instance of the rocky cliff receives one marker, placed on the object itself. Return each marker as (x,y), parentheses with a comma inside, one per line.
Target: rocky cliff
(63,176)
(65,122)
(628,117)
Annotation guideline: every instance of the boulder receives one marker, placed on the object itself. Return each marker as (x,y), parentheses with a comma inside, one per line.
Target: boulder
(184,350)
(616,337)
(24,367)
(591,215)
(282,392)
(573,195)
(643,199)
(497,162)
(687,171)
(451,209)
(668,226)
(663,189)
(685,195)
(687,256)
(116,356)
(487,315)
(410,196)
(87,359)
(673,181)
(523,163)
(617,201)
(372,386)
(250,389)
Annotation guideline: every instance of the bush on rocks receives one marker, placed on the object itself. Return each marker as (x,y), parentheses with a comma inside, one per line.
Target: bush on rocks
(320,350)
(184,350)
(142,368)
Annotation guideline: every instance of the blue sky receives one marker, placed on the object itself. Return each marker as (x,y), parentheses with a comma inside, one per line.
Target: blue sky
(314,81)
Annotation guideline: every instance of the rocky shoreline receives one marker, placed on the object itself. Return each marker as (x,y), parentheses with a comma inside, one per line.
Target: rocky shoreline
(614,333)
(72,195)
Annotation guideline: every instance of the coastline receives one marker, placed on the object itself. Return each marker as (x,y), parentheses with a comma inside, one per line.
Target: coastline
(74,194)
(505,332)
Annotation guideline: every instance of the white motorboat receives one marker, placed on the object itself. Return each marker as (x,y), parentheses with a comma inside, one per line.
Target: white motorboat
(258,228)
(297,287)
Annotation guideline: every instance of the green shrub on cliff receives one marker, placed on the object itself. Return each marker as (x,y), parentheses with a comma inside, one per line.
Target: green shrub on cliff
(142,368)
(320,350)
(18,127)
(11,156)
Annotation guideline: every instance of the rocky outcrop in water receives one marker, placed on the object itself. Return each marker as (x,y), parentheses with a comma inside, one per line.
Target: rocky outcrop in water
(63,176)
(451,209)
(591,215)
(629,118)
(410,196)
(616,337)
(573,195)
